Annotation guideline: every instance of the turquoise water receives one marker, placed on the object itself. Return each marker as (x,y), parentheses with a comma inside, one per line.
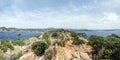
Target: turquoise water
(14,35)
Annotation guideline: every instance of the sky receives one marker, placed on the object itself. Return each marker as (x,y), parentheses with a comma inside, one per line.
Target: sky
(74,14)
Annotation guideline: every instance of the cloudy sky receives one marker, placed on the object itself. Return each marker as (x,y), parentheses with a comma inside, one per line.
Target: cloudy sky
(76,14)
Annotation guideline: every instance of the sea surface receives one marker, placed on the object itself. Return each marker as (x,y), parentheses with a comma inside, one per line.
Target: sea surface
(99,32)
(14,35)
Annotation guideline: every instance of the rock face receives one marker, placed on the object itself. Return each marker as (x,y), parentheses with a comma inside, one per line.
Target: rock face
(80,56)
(66,54)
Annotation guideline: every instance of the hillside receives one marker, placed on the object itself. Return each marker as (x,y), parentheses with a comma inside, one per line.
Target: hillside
(62,45)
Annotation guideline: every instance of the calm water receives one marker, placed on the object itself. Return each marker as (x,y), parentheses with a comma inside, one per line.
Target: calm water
(100,32)
(13,35)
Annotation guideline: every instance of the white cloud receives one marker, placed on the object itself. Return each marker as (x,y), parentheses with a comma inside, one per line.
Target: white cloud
(40,19)
(107,21)
(70,16)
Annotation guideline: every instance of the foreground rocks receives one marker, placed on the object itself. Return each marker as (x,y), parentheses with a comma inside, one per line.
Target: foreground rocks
(62,54)
(80,56)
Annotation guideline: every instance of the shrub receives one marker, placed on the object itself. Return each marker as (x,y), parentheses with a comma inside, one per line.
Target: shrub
(15,56)
(96,41)
(50,53)
(39,48)
(55,35)
(77,41)
(74,34)
(5,44)
(100,53)
(45,36)
(62,30)
(114,35)
(105,47)
(19,42)
(48,42)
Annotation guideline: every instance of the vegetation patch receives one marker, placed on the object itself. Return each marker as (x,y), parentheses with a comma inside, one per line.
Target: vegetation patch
(12,57)
(19,42)
(73,34)
(39,48)
(45,36)
(15,56)
(6,44)
(77,41)
(105,47)
(60,43)
(55,35)
(50,53)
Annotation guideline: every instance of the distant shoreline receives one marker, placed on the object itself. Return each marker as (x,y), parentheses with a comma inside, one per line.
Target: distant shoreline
(4,29)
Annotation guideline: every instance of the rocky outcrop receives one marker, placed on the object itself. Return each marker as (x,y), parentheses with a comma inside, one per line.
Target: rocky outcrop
(66,54)
(80,56)
(62,53)
(55,52)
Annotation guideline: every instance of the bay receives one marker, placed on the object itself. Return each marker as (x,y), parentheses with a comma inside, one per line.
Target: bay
(88,33)
(103,33)
(14,35)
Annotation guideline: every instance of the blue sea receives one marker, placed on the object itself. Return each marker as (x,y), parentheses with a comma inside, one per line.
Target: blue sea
(99,32)
(14,35)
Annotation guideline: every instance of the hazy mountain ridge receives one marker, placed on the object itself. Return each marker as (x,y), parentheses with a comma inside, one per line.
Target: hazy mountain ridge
(4,29)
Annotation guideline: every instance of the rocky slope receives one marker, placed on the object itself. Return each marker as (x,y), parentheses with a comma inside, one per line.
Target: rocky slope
(68,52)
(61,47)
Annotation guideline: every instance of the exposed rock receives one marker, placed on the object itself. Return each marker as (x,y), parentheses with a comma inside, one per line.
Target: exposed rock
(76,55)
(31,40)
(28,56)
(80,56)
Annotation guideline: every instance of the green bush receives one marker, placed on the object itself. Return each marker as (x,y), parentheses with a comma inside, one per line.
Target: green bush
(19,42)
(55,35)
(15,56)
(74,34)
(62,30)
(48,42)
(39,48)
(114,35)
(45,36)
(5,44)
(77,41)
(105,47)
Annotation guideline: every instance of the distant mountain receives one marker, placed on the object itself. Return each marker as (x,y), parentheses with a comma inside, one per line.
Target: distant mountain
(4,29)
